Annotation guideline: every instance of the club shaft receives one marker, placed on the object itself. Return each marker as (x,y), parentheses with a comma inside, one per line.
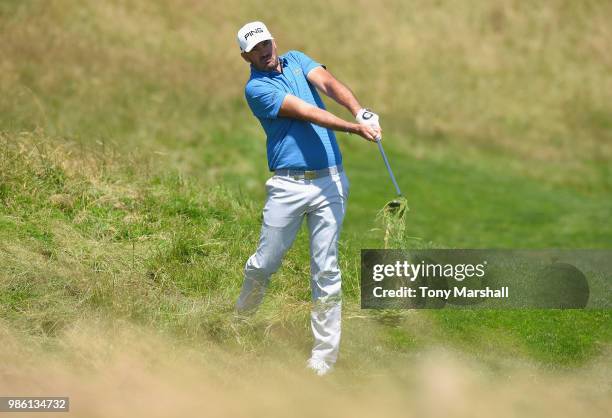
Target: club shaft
(382,152)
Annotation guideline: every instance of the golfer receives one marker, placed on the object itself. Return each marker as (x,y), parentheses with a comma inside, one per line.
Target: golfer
(308,180)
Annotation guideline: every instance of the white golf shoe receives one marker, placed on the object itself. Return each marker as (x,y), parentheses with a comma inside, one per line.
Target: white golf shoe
(320,367)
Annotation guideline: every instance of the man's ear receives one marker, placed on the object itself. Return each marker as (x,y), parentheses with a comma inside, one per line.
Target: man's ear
(245,57)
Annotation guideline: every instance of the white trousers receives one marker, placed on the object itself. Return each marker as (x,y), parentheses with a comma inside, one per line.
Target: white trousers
(323,202)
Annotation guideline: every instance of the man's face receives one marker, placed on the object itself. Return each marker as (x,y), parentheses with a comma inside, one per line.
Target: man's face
(263,56)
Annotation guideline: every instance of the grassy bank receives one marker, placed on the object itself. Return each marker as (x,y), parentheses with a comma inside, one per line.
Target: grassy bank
(86,232)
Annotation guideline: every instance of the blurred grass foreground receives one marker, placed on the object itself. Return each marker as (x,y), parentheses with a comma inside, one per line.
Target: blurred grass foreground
(131,186)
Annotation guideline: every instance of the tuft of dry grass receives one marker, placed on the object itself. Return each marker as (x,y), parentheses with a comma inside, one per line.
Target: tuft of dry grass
(392,216)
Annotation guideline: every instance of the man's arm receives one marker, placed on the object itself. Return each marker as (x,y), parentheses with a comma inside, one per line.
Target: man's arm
(296,108)
(328,84)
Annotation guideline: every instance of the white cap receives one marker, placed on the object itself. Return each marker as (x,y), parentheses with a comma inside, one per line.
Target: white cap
(251,34)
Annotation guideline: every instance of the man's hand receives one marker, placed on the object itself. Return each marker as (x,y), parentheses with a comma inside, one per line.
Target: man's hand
(366,132)
(368,118)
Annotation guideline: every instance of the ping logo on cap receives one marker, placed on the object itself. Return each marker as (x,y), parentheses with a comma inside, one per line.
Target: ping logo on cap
(253,32)
(250,34)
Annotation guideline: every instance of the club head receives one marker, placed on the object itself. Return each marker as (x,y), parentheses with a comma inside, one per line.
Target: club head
(396,207)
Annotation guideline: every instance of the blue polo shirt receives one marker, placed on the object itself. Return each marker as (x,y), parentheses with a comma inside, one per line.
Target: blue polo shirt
(291,143)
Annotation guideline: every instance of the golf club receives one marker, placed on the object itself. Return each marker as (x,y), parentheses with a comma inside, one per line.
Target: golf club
(394,203)
(393,212)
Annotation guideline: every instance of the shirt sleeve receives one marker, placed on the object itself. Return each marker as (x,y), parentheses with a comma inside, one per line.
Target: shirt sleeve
(264,99)
(305,62)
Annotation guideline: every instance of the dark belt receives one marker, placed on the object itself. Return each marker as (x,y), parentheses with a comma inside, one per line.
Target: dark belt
(308,174)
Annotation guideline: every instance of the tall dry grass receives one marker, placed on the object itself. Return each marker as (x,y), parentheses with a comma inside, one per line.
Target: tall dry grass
(117,370)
